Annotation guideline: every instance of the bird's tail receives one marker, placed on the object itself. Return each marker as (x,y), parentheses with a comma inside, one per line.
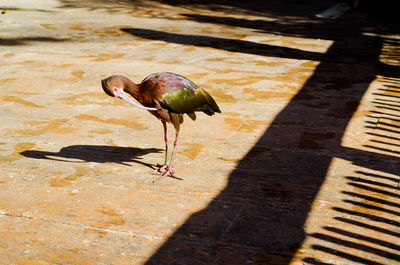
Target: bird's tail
(211,107)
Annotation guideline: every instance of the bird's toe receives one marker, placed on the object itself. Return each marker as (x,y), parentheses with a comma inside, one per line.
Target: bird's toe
(164,167)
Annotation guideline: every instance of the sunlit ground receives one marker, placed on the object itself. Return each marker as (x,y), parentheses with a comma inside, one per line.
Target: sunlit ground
(301,167)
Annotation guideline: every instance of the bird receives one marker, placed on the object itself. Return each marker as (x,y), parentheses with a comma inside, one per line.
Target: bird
(167,96)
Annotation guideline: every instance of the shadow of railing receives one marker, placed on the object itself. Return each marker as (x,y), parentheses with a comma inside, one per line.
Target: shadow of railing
(368,220)
(259,216)
(375,220)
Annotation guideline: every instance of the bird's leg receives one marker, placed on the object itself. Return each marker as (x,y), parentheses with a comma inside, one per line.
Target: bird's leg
(169,171)
(176,121)
(166,164)
(166,142)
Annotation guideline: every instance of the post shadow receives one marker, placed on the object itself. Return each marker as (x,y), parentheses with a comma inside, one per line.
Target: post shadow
(259,217)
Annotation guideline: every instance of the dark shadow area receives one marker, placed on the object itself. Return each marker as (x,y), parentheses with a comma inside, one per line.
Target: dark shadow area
(372,10)
(259,217)
(5,8)
(95,153)
(371,160)
(256,7)
(25,40)
(224,44)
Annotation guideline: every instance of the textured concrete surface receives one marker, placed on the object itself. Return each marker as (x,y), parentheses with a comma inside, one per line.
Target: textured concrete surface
(301,167)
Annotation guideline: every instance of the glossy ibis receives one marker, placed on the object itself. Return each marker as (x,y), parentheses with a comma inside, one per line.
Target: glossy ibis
(168,97)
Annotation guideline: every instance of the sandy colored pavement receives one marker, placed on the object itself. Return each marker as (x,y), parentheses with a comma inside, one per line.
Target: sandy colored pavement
(301,167)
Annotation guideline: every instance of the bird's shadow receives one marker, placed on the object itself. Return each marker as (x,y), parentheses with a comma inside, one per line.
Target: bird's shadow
(95,153)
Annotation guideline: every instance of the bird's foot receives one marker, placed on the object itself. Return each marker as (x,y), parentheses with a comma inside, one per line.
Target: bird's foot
(167,173)
(170,173)
(164,167)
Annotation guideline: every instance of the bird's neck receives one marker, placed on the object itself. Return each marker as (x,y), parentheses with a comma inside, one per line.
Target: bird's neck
(132,89)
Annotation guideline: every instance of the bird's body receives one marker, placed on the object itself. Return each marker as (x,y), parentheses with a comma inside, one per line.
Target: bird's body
(168,97)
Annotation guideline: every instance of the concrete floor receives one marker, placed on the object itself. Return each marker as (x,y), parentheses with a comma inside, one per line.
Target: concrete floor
(301,167)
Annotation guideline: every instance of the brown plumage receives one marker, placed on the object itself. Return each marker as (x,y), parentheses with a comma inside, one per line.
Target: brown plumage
(168,97)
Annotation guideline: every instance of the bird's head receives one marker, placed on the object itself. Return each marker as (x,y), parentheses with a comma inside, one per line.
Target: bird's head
(111,85)
(116,85)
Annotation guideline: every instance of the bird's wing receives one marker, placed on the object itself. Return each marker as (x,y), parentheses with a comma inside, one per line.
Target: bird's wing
(183,96)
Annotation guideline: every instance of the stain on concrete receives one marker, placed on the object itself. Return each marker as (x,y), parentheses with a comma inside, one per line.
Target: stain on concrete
(48,26)
(34,262)
(87,97)
(262,94)
(8,55)
(26,93)
(99,233)
(8,80)
(247,126)
(252,125)
(77,27)
(197,76)
(107,217)
(20,101)
(193,150)
(266,63)
(189,49)
(234,123)
(78,74)
(108,56)
(43,127)
(238,81)
(223,96)
(127,123)
(222,59)
(114,30)
(100,131)
(232,114)
(64,65)
(229,159)
(79,173)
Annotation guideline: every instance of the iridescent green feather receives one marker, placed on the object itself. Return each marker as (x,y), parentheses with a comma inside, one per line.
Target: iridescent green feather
(186,100)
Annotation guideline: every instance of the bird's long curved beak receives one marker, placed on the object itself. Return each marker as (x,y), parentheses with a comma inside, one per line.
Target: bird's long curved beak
(121,94)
